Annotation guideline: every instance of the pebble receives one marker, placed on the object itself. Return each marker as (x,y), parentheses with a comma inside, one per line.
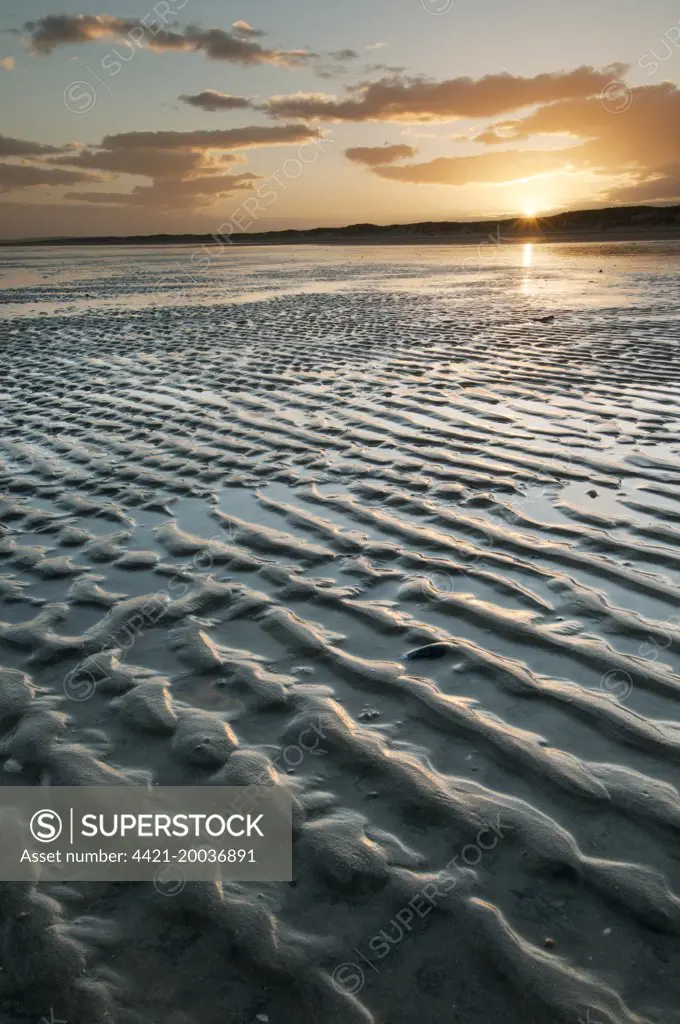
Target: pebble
(429,651)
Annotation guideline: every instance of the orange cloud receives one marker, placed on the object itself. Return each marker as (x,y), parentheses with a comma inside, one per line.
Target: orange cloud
(487,168)
(618,132)
(632,131)
(399,99)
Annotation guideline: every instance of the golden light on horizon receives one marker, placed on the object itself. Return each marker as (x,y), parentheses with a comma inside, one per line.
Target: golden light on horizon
(529,212)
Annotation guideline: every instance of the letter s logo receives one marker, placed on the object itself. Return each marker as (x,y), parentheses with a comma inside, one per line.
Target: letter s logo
(45,826)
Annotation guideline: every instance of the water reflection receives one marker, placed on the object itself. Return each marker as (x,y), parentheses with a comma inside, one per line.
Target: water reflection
(527,263)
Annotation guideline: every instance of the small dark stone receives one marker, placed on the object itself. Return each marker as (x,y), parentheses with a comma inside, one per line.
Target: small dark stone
(429,651)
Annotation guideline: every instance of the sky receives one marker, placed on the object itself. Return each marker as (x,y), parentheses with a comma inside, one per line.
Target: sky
(220,117)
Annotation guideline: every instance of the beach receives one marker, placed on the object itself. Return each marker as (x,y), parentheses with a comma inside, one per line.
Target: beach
(243,491)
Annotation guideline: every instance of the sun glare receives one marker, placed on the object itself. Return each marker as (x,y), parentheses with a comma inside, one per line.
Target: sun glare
(530,212)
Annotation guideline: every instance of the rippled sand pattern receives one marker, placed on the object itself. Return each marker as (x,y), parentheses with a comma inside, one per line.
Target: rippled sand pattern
(232,502)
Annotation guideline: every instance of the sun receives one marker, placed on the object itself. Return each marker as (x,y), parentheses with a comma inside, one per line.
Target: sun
(529,212)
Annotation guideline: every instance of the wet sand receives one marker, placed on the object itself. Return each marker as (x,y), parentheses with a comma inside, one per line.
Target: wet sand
(315,463)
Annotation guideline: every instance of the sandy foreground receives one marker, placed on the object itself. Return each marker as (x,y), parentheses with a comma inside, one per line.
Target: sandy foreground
(316,463)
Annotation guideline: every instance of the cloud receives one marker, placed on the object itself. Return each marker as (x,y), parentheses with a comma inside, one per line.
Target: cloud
(662,187)
(18,176)
(186,168)
(54,30)
(417,99)
(344,54)
(373,156)
(212,100)
(219,138)
(626,138)
(7,63)
(486,168)
(20,147)
(646,129)
(146,161)
(173,195)
(631,131)
(335,63)
(375,46)
(244,29)
(494,136)
(176,155)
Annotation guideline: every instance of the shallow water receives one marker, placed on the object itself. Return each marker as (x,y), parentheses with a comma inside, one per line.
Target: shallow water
(328,457)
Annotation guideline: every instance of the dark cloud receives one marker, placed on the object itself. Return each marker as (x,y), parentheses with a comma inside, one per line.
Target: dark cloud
(225,138)
(180,155)
(55,30)
(219,45)
(147,162)
(18,176)
(403,99)
(186,168)
(373,156)
(334,64)
(391,70)
(173,195)
(212,100)
(239,46)
(20,147)
(344,55)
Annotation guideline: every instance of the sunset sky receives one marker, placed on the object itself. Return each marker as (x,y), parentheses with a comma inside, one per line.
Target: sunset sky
(206,114)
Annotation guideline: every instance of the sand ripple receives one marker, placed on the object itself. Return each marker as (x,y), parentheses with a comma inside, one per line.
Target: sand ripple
(222,527)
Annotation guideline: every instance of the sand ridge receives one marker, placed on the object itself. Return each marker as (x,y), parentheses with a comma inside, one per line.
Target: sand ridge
(222,527)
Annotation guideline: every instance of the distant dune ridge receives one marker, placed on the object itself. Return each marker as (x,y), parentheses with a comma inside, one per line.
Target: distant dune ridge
(621,223)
